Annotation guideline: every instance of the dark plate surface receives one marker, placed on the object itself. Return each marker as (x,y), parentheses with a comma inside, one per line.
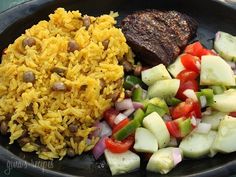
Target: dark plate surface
(211,15)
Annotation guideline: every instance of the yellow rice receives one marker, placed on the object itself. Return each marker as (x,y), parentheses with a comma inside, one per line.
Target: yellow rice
(54,111)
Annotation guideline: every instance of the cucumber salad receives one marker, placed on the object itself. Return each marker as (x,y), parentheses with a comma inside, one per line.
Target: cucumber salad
(185,110)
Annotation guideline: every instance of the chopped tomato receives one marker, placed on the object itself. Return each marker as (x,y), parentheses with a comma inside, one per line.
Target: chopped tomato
(194,49)
(109,116)
(120,125)
(186,75)
(196,112)
(190,84)
(119,146)
(207,52)
(233,114)
(182,109)
(173,129)
(191,62)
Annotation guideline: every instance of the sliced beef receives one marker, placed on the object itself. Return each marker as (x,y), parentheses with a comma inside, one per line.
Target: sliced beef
(158,36)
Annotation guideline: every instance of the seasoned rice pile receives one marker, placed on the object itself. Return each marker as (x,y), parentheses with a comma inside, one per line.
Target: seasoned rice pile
(58,78)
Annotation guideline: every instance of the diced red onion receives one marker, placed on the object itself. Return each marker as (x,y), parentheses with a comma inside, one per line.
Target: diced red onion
(119,118)
(167,118)
(177,156)
(99,148)
(190,94)
(203,101)
(207,112)
(198,64)
(144,95)
(173,142)
(137,105)
(231,64)
(124,104)
(106,129)
(128,112)
(203,128)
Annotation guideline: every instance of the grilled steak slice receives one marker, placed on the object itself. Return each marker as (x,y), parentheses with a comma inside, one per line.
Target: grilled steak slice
(158,36)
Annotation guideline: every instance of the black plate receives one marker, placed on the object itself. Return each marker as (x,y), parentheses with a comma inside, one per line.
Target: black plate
(211,15)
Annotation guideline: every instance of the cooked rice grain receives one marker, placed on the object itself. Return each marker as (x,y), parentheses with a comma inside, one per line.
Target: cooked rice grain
(45,113)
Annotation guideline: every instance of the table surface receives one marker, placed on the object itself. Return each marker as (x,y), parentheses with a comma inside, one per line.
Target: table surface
(5,4)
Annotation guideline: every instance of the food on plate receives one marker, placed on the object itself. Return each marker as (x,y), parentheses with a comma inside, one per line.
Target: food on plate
(70,85)
(158,36)
(164,160)
(225,45)
(184,108)
(58,78)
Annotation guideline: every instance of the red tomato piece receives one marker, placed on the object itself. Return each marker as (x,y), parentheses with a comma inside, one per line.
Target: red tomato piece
(190,84)
(196,112)
(191,62)
(119,146)
(182,109)
(120,125)
(194,49)
(173,129)
(233,114)
(186,75)
(109,116)
(207,52)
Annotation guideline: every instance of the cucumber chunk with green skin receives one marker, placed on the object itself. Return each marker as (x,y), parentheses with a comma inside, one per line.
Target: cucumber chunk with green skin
(197,145)
(176,67)
(215,71)
(157,126)
(164,88)
(162,161)
(218,89)
(153,108)
(154,74)
(145,141)
(172,101)
(120,163)
(225,102)
(214,119)
(226,136)
(225,45)
(127,130)
(139,115)
(137,94)
(160,103)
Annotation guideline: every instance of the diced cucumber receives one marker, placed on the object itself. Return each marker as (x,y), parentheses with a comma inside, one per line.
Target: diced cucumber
(196,145)
(215,71)
(160,103)
(164,88)
(214,119)
(218,89)
(157,126)
(225,45)
(145,141)
(225,102)
(176,67)
(154,74)
(226,136)
(120,163)
(153,108)
(162,161)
